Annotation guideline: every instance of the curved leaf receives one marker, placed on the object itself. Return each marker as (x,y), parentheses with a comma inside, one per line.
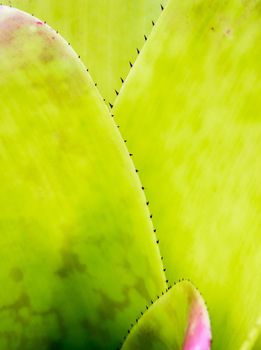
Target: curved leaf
(178,320)
(190,112)
(78,253)
(104,33)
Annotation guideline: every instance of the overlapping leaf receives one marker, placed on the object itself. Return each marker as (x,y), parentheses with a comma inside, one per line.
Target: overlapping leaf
(190,111)
(105,33)
(178,320)
(78,253)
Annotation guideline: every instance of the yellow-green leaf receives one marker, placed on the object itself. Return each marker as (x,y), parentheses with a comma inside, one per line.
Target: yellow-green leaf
(78,252)
(105,33)
(178,320)
(190,111)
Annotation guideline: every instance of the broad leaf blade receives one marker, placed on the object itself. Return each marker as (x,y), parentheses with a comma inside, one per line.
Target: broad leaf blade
(78,253)
(178,320)
(190,112)
(104,33)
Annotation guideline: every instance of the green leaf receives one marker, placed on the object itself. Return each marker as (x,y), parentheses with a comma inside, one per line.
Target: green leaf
(78,252)
(190,112)
(253,341)
(257,343)
(178,320)
(104,33)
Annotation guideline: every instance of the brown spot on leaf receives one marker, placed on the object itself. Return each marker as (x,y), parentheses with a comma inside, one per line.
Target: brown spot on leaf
(71,264)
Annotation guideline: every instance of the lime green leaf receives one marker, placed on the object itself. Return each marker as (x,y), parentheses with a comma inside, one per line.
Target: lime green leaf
(253,341)
(78,252)
(178,320)
(190,112)
(257,343)
(105,34)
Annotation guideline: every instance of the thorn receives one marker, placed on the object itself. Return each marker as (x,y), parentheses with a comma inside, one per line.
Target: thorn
(151,216)
(162,258)
(162,7)
(145,37)
(166,290)
(147,203)
(167,281)
(157,296)
(95,84)
(131,154)
(138,51)
(104,99)
(130,64)
(164,269)
(162,293)
(118,126)
(151,301)
(147,307)
(142,188)
(136,320)
(136,170)
(128,331)
(117,93)
(141,313)
(79,56)
(112,115)
(110,105)
(122,80)
(153,23)
(154,230)
(157,241)
(169,286)
(125,140)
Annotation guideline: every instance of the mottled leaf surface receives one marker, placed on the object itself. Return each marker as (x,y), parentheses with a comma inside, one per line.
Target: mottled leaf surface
(78,252)
(105,33)
(190,111)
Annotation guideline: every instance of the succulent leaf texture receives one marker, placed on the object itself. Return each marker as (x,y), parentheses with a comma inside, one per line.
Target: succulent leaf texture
(130,138)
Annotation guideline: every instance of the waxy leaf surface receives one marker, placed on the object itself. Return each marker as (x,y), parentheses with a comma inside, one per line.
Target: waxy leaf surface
(78,252)
(190,112)
(105,33)
(177,320)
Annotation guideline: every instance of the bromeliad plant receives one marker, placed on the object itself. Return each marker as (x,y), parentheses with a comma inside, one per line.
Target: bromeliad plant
(81,263)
